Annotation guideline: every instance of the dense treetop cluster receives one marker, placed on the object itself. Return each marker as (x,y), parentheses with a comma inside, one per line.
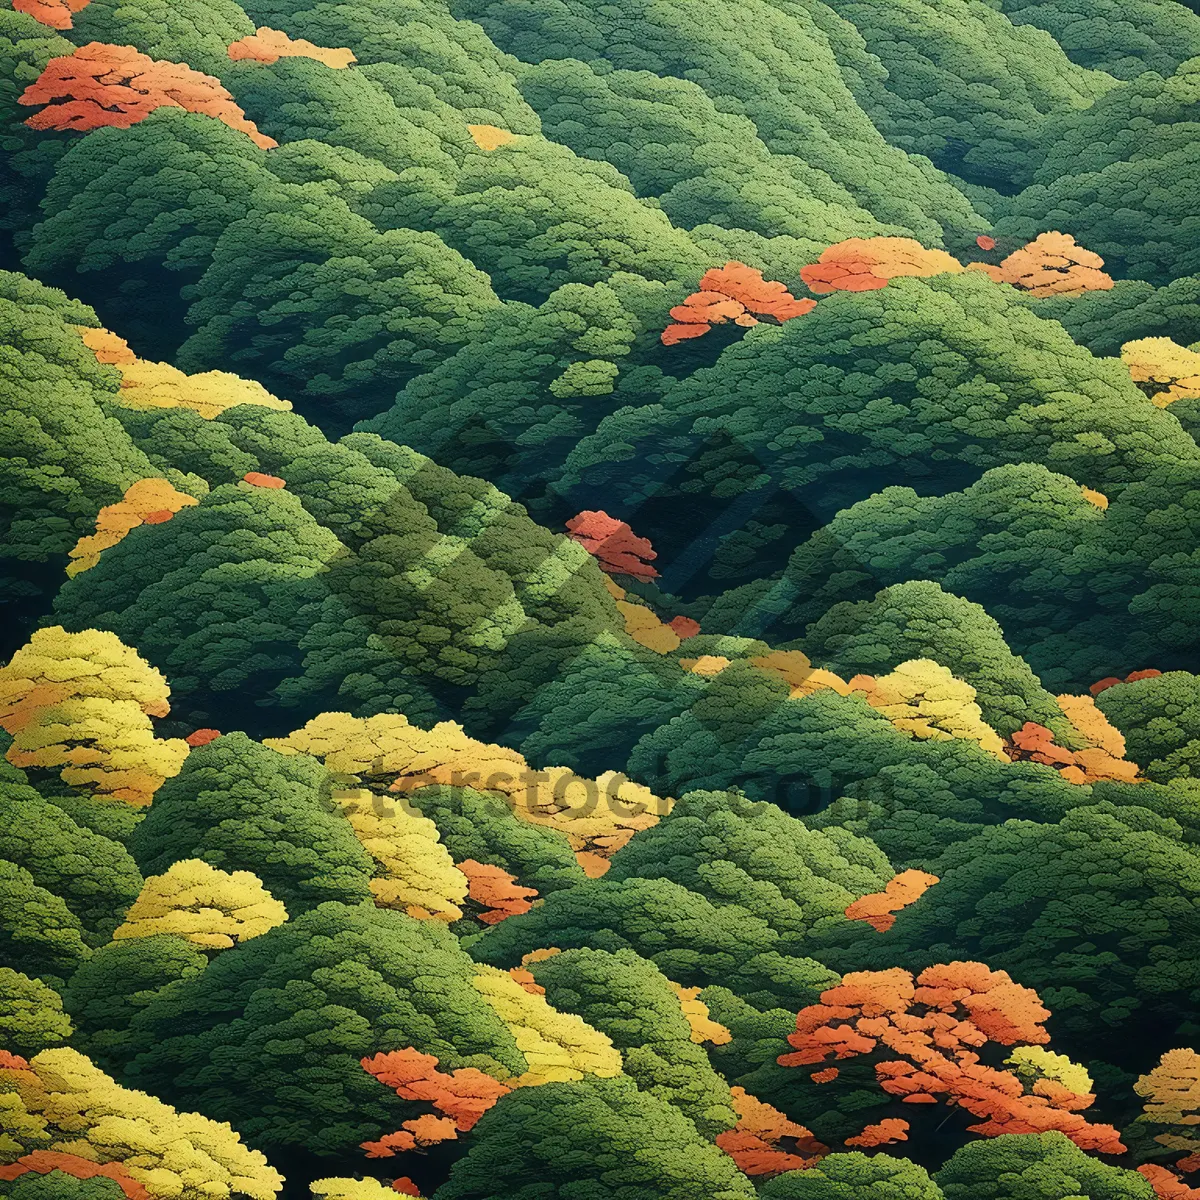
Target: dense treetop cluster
(599,605)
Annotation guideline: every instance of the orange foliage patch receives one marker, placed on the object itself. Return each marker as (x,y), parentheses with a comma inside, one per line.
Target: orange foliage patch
(1166,1184)
(985,242)
(42,1162)
(926,1034)
(270,45)
(828,1075)
(525,978)
(1051,265)
(866,264)
(613,544)
(884,1134)
(1112,680)
(496,891)
(258,479)
(12,1062)
(55,13)
(684,627)
(108,348)
(146,502)
(101,85)
(201,737)
(406,1187)
(1102,760)
(463,1096)
(734,292)
(879,908)
(764,1142)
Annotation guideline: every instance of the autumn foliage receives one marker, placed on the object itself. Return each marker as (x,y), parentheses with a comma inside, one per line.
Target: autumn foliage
(42,1162)
(734,292)
(258,479)
(496,891)
(147,502)
(613,544)
(1051,265)
(1166,1184)
(1163,369)
(1108,681)
(926,1035)
(55,13)
(460,1097)
(81,703)
(884,1133)
(878,909)
(1171,1094)
(1103,759)
(764,1142)
(102,85)
(270,45)
(867,264)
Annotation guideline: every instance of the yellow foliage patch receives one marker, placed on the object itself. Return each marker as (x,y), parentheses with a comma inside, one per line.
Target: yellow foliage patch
(417,873)
(269,45)
(82,702)
(1163,369)
(924,700)
(149,501)
(704,1028)
(206,906)
(598,816)
(646,629)
(558,1046)
(490,137)
(63,1103)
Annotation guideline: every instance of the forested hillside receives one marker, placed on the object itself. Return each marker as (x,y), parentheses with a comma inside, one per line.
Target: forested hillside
(600,601)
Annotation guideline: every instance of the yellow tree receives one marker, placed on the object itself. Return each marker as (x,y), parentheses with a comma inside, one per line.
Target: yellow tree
(416,872)
(1163,369)
(59,1105)
(557,1046)
(82,702)
(598,816)
(148,385)
(206,906)
(924,700)
(1171,1092)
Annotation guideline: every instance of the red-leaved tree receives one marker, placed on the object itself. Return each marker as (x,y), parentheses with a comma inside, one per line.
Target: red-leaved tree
(461,1097)
(612,543)
(496,891)
(737,293)
(924,1039)
(55,13)
(764,1142)
(102,85)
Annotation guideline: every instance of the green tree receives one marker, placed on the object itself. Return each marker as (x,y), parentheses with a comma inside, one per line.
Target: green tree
(111,988)
(598,1134)
(855,1177)
(31,1014)
(192,33)
(1093,912)
(1042,1166)
(481,826)
(239,806)
(1160,718)
(94,875)
(629,998)
(689,939)
(269,1036)
(757,857)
